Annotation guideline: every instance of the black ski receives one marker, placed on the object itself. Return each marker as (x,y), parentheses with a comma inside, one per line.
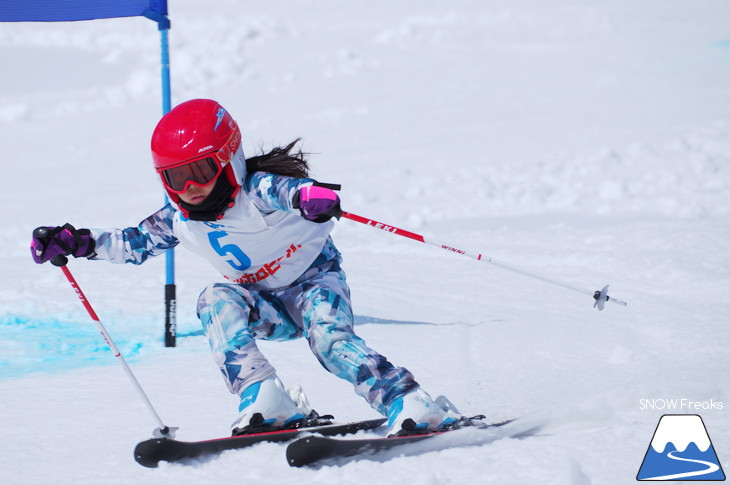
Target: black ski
(149,453)
(312,450)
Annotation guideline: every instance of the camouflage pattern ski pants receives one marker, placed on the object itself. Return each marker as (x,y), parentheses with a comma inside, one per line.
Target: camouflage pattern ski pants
(316,307)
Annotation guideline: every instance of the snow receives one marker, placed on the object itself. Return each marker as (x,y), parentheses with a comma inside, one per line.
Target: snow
(587,141)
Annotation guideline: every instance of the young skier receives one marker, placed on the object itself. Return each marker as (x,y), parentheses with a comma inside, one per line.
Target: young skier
(264,225)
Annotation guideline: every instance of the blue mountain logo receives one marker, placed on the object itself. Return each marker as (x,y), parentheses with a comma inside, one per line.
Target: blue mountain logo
(681,450)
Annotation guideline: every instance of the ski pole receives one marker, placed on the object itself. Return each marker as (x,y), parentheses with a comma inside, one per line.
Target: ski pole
(61,261)
(601,296)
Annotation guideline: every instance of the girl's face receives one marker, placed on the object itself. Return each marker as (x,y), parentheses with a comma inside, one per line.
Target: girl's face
(195,195)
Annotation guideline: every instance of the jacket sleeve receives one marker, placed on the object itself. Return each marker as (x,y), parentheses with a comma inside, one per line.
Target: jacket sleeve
(271,192)
(151,237)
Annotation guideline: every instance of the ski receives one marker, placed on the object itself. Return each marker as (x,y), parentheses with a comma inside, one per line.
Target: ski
(315,450)
(150,452)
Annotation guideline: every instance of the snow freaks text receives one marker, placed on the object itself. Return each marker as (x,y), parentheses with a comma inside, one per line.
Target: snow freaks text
(680,405)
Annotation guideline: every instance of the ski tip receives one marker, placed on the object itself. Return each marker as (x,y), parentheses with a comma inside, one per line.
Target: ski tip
(306,451)
(147,453)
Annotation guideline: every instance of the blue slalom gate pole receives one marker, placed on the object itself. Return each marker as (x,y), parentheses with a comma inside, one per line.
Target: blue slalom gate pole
(170,289)
(163,23)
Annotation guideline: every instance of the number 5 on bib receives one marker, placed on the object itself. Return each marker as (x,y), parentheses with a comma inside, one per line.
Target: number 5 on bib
(238,259)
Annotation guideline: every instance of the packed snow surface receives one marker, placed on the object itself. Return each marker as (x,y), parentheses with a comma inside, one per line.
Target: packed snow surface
(587,141)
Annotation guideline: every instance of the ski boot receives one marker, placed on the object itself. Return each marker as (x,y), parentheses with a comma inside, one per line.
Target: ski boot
(416,413)
(267,406)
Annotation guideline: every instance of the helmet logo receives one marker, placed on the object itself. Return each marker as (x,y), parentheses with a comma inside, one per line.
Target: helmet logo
(219,118)
(209,147)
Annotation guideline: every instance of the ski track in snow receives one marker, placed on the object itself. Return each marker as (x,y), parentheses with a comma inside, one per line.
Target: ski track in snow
(588,141)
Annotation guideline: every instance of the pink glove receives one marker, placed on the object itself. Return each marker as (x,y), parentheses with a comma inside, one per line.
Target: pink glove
(318,204)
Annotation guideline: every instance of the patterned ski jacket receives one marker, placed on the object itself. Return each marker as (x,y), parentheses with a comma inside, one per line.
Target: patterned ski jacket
(262,240)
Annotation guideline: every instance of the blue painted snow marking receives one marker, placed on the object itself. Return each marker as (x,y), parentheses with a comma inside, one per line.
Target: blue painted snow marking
(53,344)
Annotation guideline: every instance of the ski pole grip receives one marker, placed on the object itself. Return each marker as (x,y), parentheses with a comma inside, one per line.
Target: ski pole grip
(59,260)
(41,233)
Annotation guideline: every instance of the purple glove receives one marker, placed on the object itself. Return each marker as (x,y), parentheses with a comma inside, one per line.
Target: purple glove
(317,203)
(51,241)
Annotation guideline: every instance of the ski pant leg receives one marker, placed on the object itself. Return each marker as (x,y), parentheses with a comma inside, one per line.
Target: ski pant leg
(233,317)
(327,319)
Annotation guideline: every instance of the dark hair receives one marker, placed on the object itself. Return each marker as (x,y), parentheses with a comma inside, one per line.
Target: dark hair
(281,161)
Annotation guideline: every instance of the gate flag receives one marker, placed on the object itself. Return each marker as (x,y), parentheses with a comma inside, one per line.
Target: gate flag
(69,10)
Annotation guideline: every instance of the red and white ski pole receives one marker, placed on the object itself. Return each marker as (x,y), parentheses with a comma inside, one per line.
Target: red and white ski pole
(600,296)
(61,261)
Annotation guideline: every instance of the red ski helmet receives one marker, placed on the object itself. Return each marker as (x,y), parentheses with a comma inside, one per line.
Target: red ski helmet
(193,144)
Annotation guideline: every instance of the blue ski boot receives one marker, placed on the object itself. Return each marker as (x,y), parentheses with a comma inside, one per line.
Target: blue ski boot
(267,406)
(417,413)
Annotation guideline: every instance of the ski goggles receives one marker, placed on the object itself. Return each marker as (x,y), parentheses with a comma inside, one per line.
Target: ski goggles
(201,172)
